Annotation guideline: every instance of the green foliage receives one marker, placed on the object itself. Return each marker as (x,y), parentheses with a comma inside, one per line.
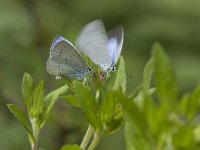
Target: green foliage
(27,89)
(21,116)
(104,113)
(193,103)
(88,103)
(111,112)
(155,118)
(165,78)
(72,100)
(38,108)
(49,102)
(107,110)
(102,108)
(135,126)
(183,138)
(147,75)
(70,147)
(38,99)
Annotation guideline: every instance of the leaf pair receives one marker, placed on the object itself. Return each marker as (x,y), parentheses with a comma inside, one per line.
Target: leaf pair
(32,99)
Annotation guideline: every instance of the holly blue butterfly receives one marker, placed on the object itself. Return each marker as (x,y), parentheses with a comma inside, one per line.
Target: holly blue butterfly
(65,60)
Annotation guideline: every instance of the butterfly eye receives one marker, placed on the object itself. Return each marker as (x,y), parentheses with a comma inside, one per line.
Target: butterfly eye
(89,69)
(113,69)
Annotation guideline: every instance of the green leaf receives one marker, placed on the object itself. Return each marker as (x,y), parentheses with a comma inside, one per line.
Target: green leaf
(21,116)
(107,110)
(183,105)
(184,138)
(165,77)
(88,103)
(27,89)
(147,76)
(193,104)
(49,102)
(196,132)
(38,99)
(111,112)
(137,133)
(118,79)
(156,117)
(115,126)
(134,115)
(71,147)
(134,140)
(72,100)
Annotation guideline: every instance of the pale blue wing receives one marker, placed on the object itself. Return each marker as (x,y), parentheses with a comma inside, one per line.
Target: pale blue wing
(93,41)
(65,60)
(115,43)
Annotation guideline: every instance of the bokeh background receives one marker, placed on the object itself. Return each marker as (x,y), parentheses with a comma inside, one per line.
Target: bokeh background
(27,28)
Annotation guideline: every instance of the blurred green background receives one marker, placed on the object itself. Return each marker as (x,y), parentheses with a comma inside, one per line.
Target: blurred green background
(27,28)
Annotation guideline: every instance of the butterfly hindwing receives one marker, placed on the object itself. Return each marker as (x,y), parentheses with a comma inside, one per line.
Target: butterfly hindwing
(65,60)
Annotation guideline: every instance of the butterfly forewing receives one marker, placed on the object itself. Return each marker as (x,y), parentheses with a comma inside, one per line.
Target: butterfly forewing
(93,41)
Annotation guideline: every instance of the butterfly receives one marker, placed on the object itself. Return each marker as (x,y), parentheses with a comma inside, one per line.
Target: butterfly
(101,47)
(65,60)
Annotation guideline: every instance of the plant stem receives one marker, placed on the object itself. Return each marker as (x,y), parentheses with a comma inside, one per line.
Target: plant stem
(36,132)
(33,147)
(90,130)
(87,137)
(95,142)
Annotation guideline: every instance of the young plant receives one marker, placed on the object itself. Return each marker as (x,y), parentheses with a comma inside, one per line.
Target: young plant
(157,117)
(38,107)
